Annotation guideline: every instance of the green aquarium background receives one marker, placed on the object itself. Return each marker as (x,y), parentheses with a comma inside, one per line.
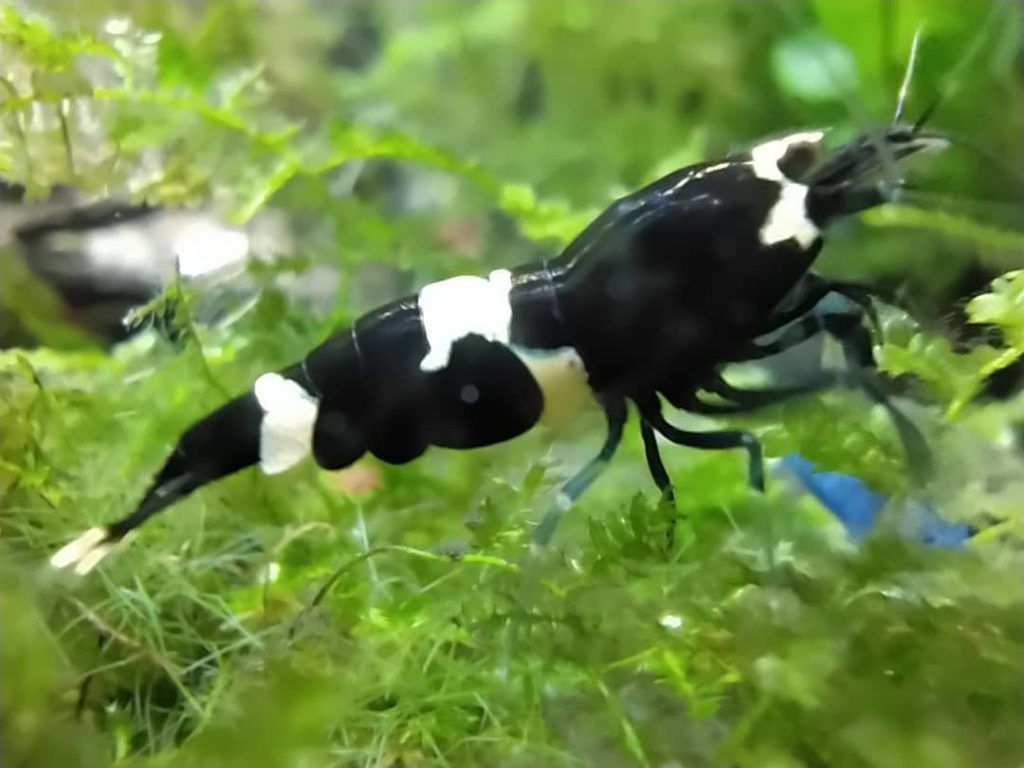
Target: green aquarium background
(398,616)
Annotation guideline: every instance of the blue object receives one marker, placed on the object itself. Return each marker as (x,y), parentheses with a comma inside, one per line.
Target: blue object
(858,508)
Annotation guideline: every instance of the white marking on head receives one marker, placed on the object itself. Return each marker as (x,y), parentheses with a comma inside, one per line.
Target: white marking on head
(85,552)
(788,218)
(459,306)
(563,381)
(289,415)
(766,157)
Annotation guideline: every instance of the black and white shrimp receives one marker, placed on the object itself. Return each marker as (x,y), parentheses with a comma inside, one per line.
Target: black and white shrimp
(661,291)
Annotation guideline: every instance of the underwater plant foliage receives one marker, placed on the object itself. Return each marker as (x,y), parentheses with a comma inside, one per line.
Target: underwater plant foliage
(397,616)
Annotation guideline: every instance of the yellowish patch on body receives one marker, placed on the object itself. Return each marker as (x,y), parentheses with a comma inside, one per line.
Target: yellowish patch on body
(563,382)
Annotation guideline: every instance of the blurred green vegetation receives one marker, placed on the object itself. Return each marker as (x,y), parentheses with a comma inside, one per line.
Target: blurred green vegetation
(285,622)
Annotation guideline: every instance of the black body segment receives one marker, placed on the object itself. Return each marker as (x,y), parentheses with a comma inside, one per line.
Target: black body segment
(192,464)
(537,319)
(485,395)
(370,384)
(675,284)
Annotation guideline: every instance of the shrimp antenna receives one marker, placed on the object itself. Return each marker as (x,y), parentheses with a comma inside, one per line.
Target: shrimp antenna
(908,75)
(929,111)
(952,81)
